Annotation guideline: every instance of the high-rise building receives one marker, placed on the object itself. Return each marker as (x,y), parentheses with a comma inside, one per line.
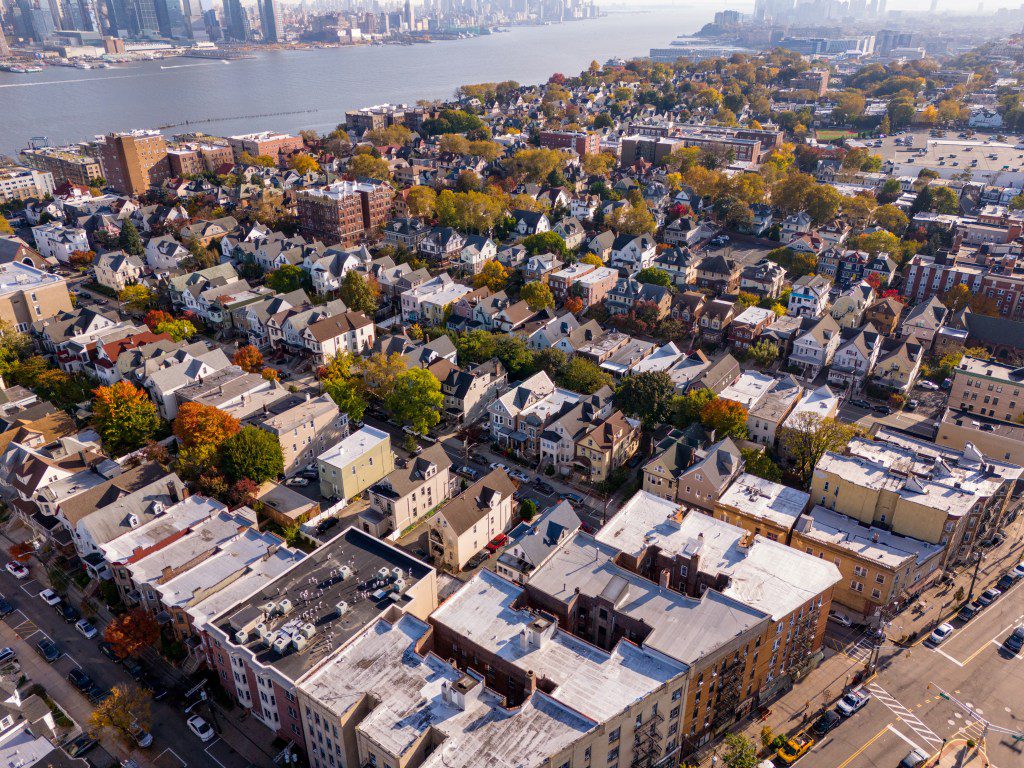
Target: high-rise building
(236,22)
(212,25)
(4,48)
(345,212)
(134,161)
(65,163)
(270,21)
(170,19)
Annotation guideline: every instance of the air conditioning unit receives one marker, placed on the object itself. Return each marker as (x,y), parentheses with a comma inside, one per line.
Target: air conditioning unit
(284,607)
(307,630)
(281,643)
(269,608)
(345,572)
(299,642)
(399,585)
(241,637)
(384,573)
(341,608)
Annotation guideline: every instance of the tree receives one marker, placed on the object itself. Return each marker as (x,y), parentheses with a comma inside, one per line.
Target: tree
(132,632)
(599,164)
(764,353)
(154,317)
(123,712)
(545,242)
(493,274)
(392,135)
(583,376)
(420,201)
(14,346)
(360,294)
(757,462)
(248,358)
(129,239)
(528,509)
(647,396)
(124,416)
(369,167)
(537,295)
(957,297)
(822,203)
(200,430)
(178,330)
(633,219)
(416,400)
(285,279)
(740,752)
(945,201)
(380,372)
(891,218)
(803,264)
(654,276)
(5,226)
(573,304)
(726,417)
(518,359)
(81,260)
(253,453)
(747,299)
(809,437)
(304,164)
(535,165)
(346,389)
(137,298)
(592,258)
(686,409)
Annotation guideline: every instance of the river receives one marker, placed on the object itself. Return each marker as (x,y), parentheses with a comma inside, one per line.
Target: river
(315,86)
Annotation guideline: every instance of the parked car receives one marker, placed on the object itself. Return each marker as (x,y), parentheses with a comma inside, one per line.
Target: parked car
(49,597)
(1006,581)
(911,405)
(968,612)
(931,386)
(499,465)
(79,746)
(522,477)
(48,650)
(17,570)
(882,410)
(68,612)
(98,694)
(142,737)
(989,596)
(544,487)
(1013,643)
(469,472)
(1018,569)
(135,670)
(6,608)
(939,634)
(477,559)
(86,629)
(108,650)
(826,723)
(157,689)
(852,702)
(7,655)
(297,481)
(201,728)
(917,757)
(309,473)
(860,403)
(326,525)
(795,748)
(497,542)
(839,618)
(573,498)
(80,679)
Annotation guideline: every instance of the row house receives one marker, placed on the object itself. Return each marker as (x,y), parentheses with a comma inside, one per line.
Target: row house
(633,252)
(305,427)
(747,326)
(468,392)
(286,329)
(850,306)
(680,263)
(351,332)
(764,278)
(692,474)
(855,358)
(719,274)
(442,244)
(715,320)
(560,436)
(809,296)
(593,287)
(847,267)
(628,293)
(405,233)
(426,302)
(815,346)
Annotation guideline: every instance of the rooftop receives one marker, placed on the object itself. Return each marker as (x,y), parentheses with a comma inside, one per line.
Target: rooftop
(749,389)
(354,446)
(889,550)
(318,605)
(16,276)
(757,497)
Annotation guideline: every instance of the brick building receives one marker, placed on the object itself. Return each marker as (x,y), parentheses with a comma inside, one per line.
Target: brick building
(345,212)
(134,161)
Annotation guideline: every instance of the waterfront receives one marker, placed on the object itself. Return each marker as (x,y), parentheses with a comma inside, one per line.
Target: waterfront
(314,87)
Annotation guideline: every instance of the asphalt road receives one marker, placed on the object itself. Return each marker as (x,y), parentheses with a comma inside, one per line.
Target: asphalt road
(907,711)
(173,746)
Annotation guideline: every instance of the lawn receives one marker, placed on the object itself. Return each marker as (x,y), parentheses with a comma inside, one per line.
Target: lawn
(833,135)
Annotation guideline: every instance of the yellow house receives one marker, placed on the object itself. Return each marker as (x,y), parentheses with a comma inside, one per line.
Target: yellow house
(356,463)
(897,368)
(607,446)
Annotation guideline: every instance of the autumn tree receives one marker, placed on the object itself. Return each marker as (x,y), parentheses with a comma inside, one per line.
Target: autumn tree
(200,430)
(686,409)
(573,304)
(360,293)
(957,297)
(253,453)
(380,372)
(303,164)
(726,417)
(537,295)
(416,400)
(599,164)
(81,260)
(740,752)
(891,218)
(591,258)
(420,201)
(807,439)
(369,167)
(122,713)
(248,358)
(154,317)
(137,298)
(494,275)
(178,330)
(345,388)
(632,219)
(124,416)
(5,226)
(131,633)
(536,165)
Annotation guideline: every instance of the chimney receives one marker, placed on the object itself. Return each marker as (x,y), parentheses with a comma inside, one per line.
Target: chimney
(175,491)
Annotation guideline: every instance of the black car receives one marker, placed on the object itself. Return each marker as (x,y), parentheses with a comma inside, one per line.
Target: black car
(326,525)
(1015,641)
(48,650)
(309,474)
(884,410)
(826,723)
(134,669)
(6,609)
(97,693)
(80,746)
(546,488)
(80,680)
(1005,582)
(156,689)
(68,612)
(108,650)
(861,404)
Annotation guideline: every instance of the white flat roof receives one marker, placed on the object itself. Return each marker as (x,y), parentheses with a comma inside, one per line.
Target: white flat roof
(762,498)
(355,445)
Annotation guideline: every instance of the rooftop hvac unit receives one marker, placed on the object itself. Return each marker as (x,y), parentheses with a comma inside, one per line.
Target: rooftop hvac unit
(341,608)
(241,637)
(269,608)
(299,642)
(285,606)
(267,639)
(307,630)
(399,585)
(345,572)
(384,573)
(281,643)
(396,572)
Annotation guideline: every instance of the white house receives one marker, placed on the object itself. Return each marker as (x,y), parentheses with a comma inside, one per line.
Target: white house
(633,252)
(55,241)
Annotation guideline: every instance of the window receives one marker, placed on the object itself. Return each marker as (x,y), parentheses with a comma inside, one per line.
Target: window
(612,738)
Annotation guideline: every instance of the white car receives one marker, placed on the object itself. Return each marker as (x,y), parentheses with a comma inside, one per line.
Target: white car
(929,385)
(940,634)
(17,570)
(520,476)
(49,597)
(299,481)
(839,618)
(142,737)
(1019,568)
(498,465)
(852,702)
(86,629)
(201,728)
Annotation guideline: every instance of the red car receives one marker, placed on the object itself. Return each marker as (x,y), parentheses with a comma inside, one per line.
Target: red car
(497,542)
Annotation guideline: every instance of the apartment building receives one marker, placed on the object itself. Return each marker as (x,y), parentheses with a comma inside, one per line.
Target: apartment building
(134,161)
(993,437)
(580,142)
(463,526)
(594,286)
(561,281)
(265,143)
(468,392)
(409,492)
(65,163)
(29,295)
(357,462)
(988,388)
(263,644)
(24,184)
(345,212)
(761,507)
(304,427)
(195,159)
(917,489)
(56,241)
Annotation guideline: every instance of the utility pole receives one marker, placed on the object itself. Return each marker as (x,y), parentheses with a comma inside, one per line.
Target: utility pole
(974,575)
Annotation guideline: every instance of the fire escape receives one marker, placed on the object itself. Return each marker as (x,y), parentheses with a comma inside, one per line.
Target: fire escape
(728,691)
(647,741)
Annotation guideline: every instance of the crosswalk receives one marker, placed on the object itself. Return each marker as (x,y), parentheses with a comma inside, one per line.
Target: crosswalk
(859,651)
(904,714)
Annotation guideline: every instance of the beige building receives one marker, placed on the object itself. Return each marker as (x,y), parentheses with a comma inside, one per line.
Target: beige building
(988,388)
(761,507)
(28,295)
(351,332)
(693,476)
(879,568)
(607,446)
(463,527)
(356,463)
(133,162)
(24,184)
(917,489)
(408,493)
(65,163)
(304,427)
(1000,439)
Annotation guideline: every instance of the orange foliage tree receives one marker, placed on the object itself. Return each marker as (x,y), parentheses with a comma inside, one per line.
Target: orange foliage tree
(124,416)
(249,359)
(131,632)
(200,430)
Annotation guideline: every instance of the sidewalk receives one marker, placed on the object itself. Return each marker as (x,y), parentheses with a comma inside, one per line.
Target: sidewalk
(957,754)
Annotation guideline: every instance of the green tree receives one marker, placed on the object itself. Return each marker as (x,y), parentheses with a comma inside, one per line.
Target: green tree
(583,376)
(537,295)
(476,346)
(740,752)
(632,219)
(360,294)
(822,203)
(129,239)
(545,242)
(647,396)
(757,462)
(416,400)
(807,439)
(124,416)
(285,279)
(945,201)
(654,276)
(178,330)
(348,391)
(518,359)
(764,353)
(891,218)
(380,372)
(251,453)
(686,409)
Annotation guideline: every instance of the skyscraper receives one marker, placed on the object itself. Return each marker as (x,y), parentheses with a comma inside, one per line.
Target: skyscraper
(170,19)
(236,23)
(270,20)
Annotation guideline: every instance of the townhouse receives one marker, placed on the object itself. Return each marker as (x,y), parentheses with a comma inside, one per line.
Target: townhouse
(407,494)
(461,528)
(305,427)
